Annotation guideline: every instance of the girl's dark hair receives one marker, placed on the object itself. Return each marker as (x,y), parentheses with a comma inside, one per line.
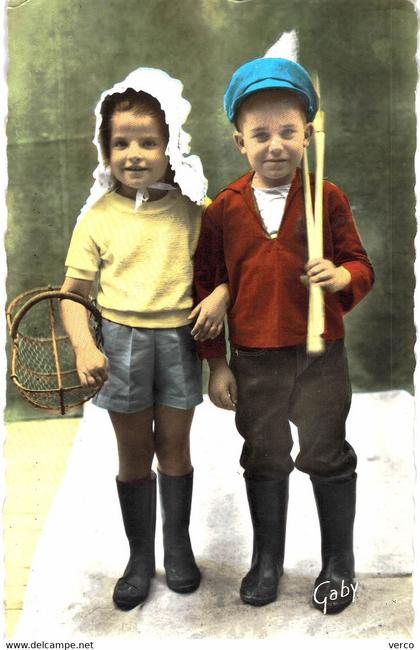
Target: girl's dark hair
(130,100)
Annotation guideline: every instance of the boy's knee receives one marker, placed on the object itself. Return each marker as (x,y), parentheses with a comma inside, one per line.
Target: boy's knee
(329,471)
(261,465)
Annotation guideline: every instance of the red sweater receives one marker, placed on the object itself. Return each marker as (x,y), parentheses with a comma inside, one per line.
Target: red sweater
(269,305)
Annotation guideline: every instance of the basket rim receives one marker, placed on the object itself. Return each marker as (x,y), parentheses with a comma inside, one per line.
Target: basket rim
(29,292)
(47,295)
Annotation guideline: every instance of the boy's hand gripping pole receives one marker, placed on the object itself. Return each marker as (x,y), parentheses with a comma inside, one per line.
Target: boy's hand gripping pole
(316,315)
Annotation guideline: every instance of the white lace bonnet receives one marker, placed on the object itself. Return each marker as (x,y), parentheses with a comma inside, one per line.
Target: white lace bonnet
(188,170)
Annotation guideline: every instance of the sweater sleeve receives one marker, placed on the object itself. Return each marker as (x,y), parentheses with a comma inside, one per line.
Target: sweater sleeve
(349,251)
(83,258)
(210,271)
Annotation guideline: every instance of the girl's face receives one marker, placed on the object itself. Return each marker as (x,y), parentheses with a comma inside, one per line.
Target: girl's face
(137,151)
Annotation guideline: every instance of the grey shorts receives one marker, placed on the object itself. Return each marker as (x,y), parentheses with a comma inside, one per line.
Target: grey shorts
(149,366)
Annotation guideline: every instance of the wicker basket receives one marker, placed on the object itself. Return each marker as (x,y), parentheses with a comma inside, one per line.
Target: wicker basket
(43,360)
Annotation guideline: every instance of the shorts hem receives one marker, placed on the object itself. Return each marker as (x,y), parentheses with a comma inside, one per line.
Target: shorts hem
(121,408)
(176,403)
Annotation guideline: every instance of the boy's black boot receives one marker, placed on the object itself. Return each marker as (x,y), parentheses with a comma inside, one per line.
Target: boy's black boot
(138,508)
(268,507)
(182,573)
(334,589)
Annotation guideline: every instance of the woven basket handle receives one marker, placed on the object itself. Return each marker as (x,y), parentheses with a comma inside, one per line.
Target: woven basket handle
(47,295)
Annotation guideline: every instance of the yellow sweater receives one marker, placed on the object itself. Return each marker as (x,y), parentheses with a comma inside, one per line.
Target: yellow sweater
(144,258)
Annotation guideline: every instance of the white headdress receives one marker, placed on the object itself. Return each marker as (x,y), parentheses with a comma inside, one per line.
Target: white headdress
(188,170)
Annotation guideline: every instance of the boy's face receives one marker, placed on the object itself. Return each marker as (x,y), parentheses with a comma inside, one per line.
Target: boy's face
(137,151)
(272,133)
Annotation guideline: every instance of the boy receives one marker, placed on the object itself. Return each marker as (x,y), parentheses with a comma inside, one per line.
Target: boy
(253,237)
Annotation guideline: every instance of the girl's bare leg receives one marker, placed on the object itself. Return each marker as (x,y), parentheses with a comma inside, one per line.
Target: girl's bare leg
(135,440)
(172,440)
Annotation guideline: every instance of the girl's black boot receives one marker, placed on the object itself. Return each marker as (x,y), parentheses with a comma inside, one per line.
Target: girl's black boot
(138,508)
(182,573)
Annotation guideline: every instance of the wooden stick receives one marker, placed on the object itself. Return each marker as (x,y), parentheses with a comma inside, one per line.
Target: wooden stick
(319,143)
(314,340)
(309,212)
(316,314)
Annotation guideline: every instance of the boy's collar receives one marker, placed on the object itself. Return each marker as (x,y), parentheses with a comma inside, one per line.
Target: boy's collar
(243,186)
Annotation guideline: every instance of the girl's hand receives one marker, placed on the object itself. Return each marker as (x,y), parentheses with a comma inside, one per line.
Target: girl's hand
(210,313)
(92,366)
(323,273)
(223,391)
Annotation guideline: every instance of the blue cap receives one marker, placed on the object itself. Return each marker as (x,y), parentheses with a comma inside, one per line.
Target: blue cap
(262,74)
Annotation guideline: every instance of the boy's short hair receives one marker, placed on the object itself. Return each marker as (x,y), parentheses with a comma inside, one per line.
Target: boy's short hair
(265,74)
(130,100)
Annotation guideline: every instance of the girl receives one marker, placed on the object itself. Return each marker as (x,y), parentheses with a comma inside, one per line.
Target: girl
(137,235)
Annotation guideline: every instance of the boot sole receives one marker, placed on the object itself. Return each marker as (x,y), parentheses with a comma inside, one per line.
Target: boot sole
(258,602)
(125,607)
(332,610)
(183,589)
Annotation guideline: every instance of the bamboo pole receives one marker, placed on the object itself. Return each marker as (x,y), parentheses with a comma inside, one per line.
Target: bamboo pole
(316,313)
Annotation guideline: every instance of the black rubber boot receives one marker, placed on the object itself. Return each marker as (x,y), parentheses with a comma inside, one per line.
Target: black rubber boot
(336,504)
(138,508)
(182,573)
(268,507)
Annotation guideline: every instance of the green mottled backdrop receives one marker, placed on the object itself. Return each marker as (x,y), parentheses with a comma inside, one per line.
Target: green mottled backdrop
(63,53)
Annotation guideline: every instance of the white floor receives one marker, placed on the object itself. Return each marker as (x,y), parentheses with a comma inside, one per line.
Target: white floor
(83,550)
